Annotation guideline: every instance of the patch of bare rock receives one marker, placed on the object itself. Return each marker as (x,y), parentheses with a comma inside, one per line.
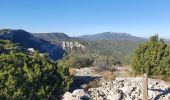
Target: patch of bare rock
(123,89)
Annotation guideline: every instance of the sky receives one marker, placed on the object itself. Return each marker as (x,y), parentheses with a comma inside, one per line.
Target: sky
(78,17)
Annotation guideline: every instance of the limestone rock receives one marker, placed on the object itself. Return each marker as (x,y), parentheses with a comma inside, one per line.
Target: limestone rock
(126,89)
(78,94)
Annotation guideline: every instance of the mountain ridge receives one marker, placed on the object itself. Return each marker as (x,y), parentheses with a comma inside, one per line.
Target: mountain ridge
(55,36)
(119,45)
(27,40)
(111,36)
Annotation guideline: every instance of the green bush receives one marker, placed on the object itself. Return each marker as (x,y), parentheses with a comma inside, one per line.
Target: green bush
(152,57)
(76,61)
(7,46)
(31,77)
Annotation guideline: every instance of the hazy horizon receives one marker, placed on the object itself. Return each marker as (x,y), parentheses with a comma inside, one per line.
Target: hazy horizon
(80,17)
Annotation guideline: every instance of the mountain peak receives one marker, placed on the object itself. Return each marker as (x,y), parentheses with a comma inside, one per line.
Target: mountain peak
(110,36)
(113,33)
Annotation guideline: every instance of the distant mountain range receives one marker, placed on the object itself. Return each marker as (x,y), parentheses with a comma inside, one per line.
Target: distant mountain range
(120,45)
(54,44)
(57,36)
(111,36)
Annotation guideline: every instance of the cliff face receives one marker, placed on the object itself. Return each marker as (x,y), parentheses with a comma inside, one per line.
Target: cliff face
(70,46)
(27,40)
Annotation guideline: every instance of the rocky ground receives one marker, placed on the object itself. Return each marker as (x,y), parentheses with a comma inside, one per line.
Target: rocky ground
(84,76)
(120,89)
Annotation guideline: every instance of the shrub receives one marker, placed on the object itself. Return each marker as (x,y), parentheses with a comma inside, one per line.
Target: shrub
(108,76)
(152,57)
(31,77)
(76,61)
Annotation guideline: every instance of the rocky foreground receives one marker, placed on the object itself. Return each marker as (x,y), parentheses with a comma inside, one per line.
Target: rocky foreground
(123,89)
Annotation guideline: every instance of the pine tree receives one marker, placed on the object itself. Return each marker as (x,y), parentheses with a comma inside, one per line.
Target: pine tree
(152,57)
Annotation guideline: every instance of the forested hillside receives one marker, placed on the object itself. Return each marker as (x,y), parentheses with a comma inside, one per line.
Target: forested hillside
(111,36)
(108,44)
(121,49)
(112,44)
(52,36)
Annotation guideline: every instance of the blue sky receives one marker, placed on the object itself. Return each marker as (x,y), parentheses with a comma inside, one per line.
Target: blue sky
(78,17)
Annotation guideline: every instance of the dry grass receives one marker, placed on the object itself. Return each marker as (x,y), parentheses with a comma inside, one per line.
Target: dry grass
(72,71)
(162,77)
(134,74)
(127,73)
(108,76)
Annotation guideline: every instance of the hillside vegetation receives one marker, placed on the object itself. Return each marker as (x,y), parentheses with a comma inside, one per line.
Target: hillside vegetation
(120,49)
(4,31)
(107,44)
(27,75)
(52,36)
(111,36)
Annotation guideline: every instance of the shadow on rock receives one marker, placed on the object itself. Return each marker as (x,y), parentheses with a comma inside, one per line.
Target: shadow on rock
(162,92)
(78,81)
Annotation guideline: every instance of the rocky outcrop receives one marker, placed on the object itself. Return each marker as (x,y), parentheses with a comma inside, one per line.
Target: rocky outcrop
(69,46)
(27,40)
(83,76)
(124,89)
(78,94)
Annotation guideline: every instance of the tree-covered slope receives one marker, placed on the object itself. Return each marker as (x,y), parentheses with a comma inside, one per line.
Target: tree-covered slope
(119,45)
(111,36)
(4,31)
(121,49)
(52,36)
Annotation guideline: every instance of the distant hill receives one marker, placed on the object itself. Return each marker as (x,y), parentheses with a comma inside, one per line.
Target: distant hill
(3,31)
(167,41)
(119,45)
(111,36)
(52,36)
(69,44)
(27,40)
